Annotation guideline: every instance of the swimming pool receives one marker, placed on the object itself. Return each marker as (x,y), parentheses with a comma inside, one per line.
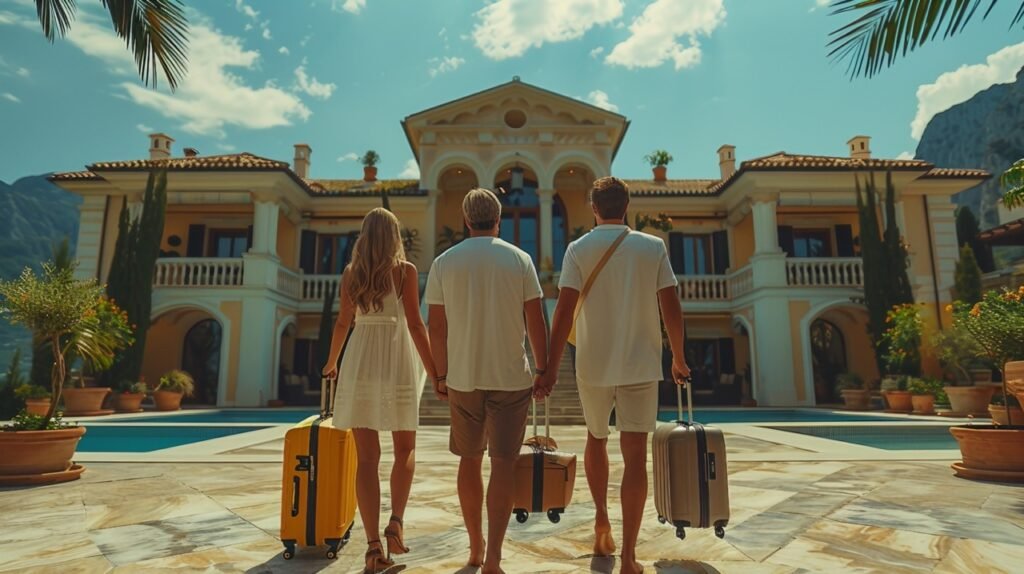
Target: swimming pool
(887,438)
(129,438)
(244,416)
(716,416)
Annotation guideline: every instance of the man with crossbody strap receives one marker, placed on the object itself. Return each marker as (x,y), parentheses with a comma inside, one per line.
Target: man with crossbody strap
(613,282)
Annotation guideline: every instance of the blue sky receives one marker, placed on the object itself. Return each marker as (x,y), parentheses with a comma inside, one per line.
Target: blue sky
(340,75)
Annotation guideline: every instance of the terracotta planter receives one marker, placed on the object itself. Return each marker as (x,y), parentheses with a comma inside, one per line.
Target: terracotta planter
(981,376)
(965,401)
(990,453)
(29,456)
(856,400)
(369,173)
(128,402)
(923,404)
(998,414)
(899,401)
(85,402)
(37,406)
(167,400)
(660,172)
(1015,379)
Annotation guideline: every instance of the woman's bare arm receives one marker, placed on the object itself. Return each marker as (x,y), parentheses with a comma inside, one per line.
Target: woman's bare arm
(341,327)
(413,319)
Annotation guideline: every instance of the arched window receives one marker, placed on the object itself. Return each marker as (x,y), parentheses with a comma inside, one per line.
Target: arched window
(828,353)
(520,219)
(201,359)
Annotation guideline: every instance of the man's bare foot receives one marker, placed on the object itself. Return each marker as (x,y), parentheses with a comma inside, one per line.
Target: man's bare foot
(492,569)
(631,567)
(604,544)
(476,554)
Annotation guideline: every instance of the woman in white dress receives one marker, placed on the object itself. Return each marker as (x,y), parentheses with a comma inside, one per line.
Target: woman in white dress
(380,379)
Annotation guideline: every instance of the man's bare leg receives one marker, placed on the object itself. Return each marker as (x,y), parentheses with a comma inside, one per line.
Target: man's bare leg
(471,499)
(595,461)
(500,500)
(634,496)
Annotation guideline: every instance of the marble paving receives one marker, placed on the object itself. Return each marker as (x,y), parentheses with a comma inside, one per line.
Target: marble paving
(787,518)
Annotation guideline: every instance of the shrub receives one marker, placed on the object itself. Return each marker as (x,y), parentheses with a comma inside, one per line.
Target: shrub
(968,276)
(130,387)
(928,386)
(850,381)
(958,352)
(27,421)
(658,158)
(370,158)
(901,341)
(28,392)
(177,381)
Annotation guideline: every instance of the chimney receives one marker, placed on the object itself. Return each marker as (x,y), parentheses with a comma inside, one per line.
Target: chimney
(160,146)
(860,147)
(191,152)
(727,160)
(301,164)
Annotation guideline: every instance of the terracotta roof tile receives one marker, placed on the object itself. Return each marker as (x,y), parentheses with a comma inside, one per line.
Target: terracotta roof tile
(944,172)
(787,161)
(361,188)
(237,161)
(670,188)
(74,176)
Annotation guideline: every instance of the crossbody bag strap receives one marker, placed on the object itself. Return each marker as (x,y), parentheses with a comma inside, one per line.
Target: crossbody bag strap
(597,271)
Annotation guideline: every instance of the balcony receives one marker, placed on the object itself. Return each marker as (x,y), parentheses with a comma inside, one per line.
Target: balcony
(198,272)
(825,272)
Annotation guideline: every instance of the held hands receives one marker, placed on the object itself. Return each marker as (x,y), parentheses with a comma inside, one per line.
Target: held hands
(680,371)
(330,371)
(441,388)
(543,383)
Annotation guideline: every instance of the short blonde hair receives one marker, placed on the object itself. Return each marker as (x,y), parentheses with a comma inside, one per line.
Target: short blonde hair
(481,209)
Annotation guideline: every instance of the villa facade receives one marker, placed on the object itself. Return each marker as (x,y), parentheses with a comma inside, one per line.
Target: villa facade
(766,253)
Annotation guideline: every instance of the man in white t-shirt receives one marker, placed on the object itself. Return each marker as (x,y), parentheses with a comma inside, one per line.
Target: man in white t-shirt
(484,300)
(618,351)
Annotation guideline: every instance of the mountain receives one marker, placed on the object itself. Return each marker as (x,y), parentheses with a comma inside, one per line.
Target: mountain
(37,214)
(986,131)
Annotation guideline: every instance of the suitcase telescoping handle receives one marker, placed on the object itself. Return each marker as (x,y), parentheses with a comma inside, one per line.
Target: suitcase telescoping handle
(327,385)
(547,419)
(689,399)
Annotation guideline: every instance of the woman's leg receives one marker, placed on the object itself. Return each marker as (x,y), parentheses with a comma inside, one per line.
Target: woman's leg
(368,481)
(402,471)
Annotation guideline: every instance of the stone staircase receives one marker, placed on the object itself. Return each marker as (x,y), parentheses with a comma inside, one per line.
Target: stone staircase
(566,409)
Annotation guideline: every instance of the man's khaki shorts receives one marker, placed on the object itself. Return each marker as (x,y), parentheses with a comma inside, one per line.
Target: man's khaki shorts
(636,408)
(491,420)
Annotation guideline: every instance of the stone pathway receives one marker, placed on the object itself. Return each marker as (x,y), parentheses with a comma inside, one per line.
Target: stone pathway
(787,517)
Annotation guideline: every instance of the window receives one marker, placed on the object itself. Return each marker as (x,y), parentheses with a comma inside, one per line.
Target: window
(335,252)
(812,243)
(228,242)
(690,254)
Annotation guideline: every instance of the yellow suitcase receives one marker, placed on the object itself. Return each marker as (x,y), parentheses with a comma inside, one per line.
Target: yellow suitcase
(318,494)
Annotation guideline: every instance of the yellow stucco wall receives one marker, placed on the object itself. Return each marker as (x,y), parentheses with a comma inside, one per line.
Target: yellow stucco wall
(287,242)
(232,310)
(741,243)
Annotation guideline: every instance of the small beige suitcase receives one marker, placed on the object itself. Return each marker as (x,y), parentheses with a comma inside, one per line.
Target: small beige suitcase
(545,476)
(691,479)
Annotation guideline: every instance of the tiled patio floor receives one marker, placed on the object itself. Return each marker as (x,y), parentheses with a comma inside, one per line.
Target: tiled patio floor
(787,517)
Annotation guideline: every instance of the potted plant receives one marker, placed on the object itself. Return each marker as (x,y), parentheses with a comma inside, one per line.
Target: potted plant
(897,394)
(962,358)
(998,411)
(370,160)
(924,393)
(855,391)
(901,344)
(659,160)
(993,452)
(53,306)
(129,397)
(104,332)
(174,386)
(36,398)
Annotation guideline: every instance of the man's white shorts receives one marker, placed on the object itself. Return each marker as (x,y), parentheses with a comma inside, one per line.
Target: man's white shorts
(636,408)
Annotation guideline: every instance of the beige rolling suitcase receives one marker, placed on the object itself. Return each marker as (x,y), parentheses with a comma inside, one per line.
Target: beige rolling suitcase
(545,476)
(691,479)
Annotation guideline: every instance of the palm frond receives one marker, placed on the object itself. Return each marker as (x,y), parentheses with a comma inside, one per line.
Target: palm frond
(156,31)
(55,17)
(883,31)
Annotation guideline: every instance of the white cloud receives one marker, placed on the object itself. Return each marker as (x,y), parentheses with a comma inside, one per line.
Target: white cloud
(283,50)
(311,86)
(23,72)
(11,97)
(445,64)
(226,147)
(508,28)
(952,88)
(305,40)
(266,30)
(655,35)
(600,99)
(905,155)
(248,27)
(244,8)
(144,128)
(596,51)
(12,19)
(411,170)
(350,6)
(350,156)
(820,4)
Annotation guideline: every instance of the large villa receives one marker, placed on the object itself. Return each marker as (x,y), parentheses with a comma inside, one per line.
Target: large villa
(766,252)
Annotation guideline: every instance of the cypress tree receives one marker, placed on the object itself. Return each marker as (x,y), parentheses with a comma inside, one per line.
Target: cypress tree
(130,282)
(968,276)
(967,230)
(899,287)
(874,261)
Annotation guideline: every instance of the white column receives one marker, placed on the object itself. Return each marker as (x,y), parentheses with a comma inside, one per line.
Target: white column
(428,239)
(766,229)
(264,232)
(547,244)
(256,377)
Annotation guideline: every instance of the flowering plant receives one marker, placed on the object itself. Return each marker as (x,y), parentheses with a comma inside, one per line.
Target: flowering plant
(901,340)
(662,222)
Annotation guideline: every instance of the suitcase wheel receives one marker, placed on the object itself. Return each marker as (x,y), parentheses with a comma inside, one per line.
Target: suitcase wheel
(289,551)
(720,532)
(662,520)
(554,516)
(681,533)
(521,516)
(347,536)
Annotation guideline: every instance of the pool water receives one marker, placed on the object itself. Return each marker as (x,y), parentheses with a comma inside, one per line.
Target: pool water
(716,416)
(128,438)
(268,416)
(886,438)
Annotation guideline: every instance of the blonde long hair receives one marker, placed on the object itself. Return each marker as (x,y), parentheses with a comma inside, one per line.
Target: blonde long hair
(376,253)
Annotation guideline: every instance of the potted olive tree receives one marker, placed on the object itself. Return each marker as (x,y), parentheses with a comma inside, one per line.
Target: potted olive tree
(53,306)
(993,452)
(174,386)
(370,160)
(659,160)
(856,392)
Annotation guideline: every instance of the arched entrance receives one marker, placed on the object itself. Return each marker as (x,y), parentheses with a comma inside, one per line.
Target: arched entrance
(828,357)
(201,358)
(521,215)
